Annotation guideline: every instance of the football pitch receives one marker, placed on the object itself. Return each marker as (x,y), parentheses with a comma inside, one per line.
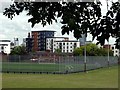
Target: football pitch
(40,67)
(23,67)
(100,78)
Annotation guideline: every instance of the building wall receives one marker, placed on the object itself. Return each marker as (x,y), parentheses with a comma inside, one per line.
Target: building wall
(35,40)
(29,44)
(64,44)
(5,46)
(112,47)
(50,42)
(67,46)
(39,39)
(16,42)
(43,36)
(115,51)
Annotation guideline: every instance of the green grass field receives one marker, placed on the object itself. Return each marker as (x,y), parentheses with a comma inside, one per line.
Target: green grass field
(100,78)
(43,67)
(47,67)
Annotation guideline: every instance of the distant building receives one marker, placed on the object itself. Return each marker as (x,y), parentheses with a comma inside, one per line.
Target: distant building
(62,43)
(88,42)
(28,43)
(50,42)
(67,46)
(16,42)
(112,47)
(116,52)
(37,40)
(24,42)
(12,45)
(5,46)
(107,46)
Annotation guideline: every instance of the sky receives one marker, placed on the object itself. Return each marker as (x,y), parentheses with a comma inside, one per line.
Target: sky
(19,27)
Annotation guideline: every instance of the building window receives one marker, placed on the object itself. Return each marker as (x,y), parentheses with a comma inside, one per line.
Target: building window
(47,40)
(112,47)
(67,51)
(2,47)
(67,47)
(63,43)
(60,46)
(75,44)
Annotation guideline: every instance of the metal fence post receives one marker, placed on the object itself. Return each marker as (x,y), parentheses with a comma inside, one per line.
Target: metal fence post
(85,61)
(59,64)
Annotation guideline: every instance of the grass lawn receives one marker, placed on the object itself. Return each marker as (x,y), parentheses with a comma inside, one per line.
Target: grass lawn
(0,81)
(46,67)
(36,67)
(101,78)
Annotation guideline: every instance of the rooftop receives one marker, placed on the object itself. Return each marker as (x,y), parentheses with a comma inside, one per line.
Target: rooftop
(67,41)
(57,37)
(4,40)
(44,31)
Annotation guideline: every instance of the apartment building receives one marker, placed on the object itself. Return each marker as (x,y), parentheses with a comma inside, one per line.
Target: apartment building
(16,42)
(38,39)
(50,41)
(5,46)
(63,43)
(112,47)
(116,52)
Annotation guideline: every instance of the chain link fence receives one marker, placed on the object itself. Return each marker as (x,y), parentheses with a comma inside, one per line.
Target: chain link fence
(54,64)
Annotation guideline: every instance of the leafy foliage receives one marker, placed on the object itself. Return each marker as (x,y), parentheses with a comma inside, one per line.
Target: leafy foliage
(79,17)
(92,50)
(58,51)
(18,50)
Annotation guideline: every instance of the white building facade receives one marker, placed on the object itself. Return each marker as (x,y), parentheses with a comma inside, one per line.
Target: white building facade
(116,52)
(62,43)
(5,46)
(16,42)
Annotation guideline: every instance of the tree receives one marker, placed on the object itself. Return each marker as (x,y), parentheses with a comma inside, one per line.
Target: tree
(92,50)
(18,50)
(58,51)
(80,17)
(78,51)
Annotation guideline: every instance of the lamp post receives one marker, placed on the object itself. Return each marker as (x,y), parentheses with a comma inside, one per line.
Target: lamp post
(108,52)
(119,47)
(108,39)
(85,60)
(119,53)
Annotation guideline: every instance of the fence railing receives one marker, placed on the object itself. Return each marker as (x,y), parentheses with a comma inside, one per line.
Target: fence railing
(55,64)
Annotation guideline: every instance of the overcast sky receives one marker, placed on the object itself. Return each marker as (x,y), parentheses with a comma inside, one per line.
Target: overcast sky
(19,26)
